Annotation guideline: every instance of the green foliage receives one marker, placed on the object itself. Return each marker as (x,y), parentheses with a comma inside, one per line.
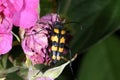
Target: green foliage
(98,19)
(45,7)
(102,61)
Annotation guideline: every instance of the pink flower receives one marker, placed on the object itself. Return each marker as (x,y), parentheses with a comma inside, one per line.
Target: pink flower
(27,15)
(36,41)
(5,36)
(35,45)
(22,13)
(5,28)
(5,42)
(44,78)
(9,7)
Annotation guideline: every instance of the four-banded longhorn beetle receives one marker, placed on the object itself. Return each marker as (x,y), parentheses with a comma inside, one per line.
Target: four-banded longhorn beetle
(58,39)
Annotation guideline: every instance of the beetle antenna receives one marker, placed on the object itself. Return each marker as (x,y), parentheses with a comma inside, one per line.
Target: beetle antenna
(75,22)
(58,8)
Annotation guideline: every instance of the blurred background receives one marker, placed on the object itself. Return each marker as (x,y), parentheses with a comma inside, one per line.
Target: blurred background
(96,39)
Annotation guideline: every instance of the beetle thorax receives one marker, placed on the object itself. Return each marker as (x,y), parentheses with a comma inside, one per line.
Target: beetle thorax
(58,25)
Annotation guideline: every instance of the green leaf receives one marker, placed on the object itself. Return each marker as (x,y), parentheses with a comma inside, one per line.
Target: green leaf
(1,67)
(13,76)
(2,78)
(102,62)
(4,60)
(16,36)
(98,19)
(11,70)
(3,72)
(56,71)
(33,73)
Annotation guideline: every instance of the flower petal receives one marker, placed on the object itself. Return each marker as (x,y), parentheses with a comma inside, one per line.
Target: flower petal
(5,26)
(5,36)
(35,45)
(15,5)
(28,16)
(5,43)
(25,19)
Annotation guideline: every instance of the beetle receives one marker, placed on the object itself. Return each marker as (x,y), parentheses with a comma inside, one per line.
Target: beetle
(58,40)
